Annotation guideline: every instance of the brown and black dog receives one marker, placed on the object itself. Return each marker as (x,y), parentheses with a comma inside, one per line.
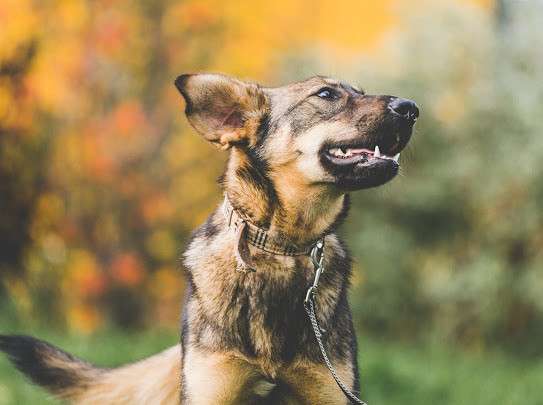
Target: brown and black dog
(295,153)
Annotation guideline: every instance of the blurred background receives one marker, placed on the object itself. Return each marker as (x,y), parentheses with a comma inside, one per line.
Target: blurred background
(102,180)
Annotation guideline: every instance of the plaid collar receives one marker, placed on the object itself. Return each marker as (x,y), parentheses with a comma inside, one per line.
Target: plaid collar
(260,237)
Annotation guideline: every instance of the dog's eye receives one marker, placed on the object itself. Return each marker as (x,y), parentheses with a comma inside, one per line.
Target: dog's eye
(327,93)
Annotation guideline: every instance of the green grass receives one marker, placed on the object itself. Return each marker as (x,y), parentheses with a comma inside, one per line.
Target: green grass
(391,373)
(396,374)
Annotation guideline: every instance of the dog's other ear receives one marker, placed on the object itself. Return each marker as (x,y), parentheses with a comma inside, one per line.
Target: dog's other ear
(224,110)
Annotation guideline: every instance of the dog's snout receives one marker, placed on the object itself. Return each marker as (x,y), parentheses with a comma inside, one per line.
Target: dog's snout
(405,108)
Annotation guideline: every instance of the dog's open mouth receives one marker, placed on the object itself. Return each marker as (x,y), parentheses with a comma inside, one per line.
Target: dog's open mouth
(371,157)
(357,165)
(352,155)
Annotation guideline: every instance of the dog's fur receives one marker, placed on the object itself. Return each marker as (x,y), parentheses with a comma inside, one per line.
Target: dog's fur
(245,336)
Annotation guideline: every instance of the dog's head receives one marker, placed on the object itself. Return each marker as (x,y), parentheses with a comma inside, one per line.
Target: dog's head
(322,131)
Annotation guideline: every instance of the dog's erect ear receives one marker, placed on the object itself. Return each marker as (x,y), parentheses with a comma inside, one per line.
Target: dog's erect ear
(224,110)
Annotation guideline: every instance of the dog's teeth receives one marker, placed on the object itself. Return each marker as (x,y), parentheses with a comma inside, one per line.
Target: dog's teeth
(377,152)
(396,157)
(342,152)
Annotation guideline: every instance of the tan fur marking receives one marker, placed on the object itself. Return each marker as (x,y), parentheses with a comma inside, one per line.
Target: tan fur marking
(221,378)
(313,383)
(155,380)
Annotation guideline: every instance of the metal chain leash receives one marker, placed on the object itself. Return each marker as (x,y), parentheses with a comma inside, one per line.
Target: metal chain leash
(317,257)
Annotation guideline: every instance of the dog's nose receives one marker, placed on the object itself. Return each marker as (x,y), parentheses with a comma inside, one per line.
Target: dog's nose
(404,108)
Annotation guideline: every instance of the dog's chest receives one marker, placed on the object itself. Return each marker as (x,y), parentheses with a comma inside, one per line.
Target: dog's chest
(260,314)
(268,316)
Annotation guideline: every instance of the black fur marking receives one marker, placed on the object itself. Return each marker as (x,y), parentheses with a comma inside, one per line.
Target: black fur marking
(243,323)
(256,174)
(30,355)
(263,129)
(209,229)
(284,316)
(250,174)
(356,368)
(180,83)
(262,169)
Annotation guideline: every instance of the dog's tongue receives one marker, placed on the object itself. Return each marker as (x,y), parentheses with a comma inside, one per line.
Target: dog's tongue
(361,150)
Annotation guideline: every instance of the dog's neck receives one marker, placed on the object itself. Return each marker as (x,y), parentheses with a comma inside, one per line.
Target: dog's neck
(289,209)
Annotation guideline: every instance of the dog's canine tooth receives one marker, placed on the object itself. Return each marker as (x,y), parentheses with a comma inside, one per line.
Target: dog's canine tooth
(377,152)
(396,157)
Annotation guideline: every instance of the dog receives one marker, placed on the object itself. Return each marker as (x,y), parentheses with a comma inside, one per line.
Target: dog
(295,154)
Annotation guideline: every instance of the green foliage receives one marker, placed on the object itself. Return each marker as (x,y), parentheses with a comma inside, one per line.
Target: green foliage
(452,248)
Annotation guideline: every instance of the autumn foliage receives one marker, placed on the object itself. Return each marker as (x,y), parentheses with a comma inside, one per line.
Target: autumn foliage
(102,180)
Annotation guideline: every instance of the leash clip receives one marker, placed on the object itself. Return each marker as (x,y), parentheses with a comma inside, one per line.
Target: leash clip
(317,253)
(317,257)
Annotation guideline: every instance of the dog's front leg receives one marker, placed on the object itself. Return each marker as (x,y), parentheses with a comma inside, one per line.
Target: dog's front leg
(218,378)
(312,383)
